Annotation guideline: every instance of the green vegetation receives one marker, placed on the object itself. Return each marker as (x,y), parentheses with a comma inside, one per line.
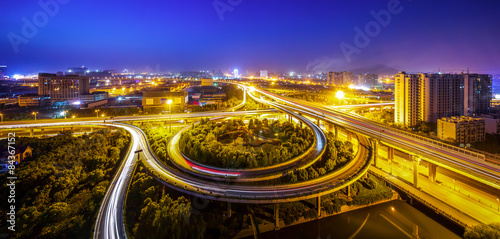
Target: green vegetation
(158,139)
(386,116)
(107,112)
(490,145)
(483,231)
(150,213)
(325,97)
(232,144)
(363,192)
(337,154)
(60,189)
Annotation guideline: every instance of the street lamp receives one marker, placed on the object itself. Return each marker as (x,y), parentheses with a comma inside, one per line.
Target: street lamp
(97,114)
(340,95)
(169,102)
(64,113)
(34,113)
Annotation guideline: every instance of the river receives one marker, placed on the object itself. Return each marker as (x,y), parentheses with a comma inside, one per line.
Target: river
(388,220)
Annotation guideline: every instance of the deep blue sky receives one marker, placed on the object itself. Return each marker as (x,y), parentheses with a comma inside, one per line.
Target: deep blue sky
(282,36)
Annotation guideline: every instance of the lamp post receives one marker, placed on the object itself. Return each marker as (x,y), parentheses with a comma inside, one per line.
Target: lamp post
(97,114)
(340,95)
(64,113)
(34,113)
(169,102)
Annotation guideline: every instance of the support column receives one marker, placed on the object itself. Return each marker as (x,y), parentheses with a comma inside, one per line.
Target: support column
(349,136)
(319,123)
(228,209)
(375,153)
(416,162)
(336,132)
(31,132)
(390,154)
(349,191)
(91,129)
(329,127)
(277,216)
(415,231)
(432,172)
(319,207)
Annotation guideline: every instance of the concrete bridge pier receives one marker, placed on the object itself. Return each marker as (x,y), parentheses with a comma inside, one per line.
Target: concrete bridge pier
(415,231)
(319,207)
(336,132)
(375,153)
(319,123)
(277,216)
(390,154)
(228,209)
(416,162)
(349,136)
(31,132)
(432,172)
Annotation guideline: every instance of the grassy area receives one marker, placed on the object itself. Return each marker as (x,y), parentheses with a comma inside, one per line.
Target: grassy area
(60,188)
(233,144)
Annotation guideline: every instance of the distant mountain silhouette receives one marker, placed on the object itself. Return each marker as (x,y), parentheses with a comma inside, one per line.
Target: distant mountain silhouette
(376,69)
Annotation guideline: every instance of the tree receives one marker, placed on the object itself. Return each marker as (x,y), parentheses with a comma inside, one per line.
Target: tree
(483,231)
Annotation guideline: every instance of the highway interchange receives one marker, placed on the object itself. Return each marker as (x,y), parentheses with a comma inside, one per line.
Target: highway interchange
(201,183)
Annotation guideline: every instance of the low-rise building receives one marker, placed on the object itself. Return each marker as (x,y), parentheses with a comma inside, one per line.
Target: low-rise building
(492,123)
(20,154)
(462,130)
(29,100)
(158,98)
(94,96)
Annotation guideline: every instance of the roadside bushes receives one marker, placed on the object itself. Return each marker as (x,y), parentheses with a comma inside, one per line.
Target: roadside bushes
(232,144)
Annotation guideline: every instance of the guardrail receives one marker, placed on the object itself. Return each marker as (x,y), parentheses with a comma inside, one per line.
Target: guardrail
(421,138)
(423,201)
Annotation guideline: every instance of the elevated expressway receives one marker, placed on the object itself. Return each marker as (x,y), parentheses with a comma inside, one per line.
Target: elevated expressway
(304,160)
(207,184)
(464,162)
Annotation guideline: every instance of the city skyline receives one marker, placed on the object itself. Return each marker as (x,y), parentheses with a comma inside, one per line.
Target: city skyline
(218,36)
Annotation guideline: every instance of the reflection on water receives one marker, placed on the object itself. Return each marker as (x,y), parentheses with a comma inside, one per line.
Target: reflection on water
(389,220)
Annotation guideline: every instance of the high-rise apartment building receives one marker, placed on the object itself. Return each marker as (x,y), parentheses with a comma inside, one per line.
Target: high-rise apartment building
(263,74)
(480,93)
(347,78)
(339,79)
(3,71)
(429,97)
(407,109)
(67,88)
(368,80)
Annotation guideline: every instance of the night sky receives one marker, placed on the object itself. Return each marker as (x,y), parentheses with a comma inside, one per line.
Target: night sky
(281,36)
